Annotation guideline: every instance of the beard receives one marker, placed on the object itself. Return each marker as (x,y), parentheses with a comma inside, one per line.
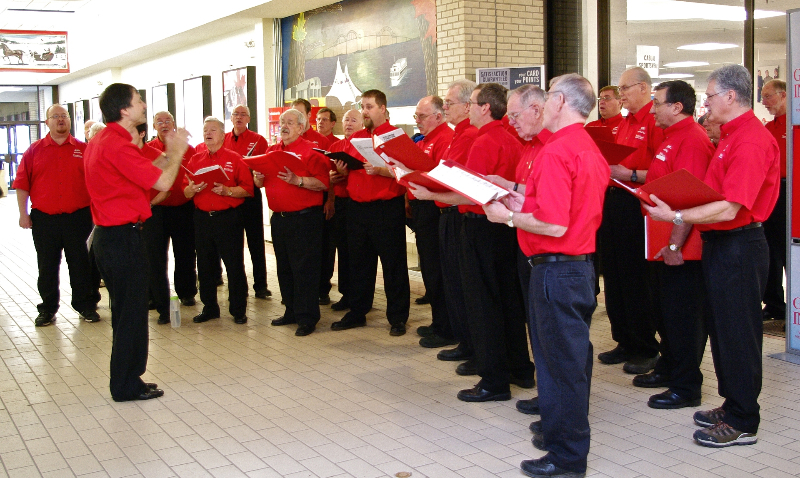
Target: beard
(368,123)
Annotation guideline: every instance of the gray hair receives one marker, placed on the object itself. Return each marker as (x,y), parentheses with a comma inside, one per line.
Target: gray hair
(777,85)
(465,88)
(734,78)
(640,75)
(96,128)
(164,113)
(242,106)
(528,94)
(577,90)
(301,118)
(212,119)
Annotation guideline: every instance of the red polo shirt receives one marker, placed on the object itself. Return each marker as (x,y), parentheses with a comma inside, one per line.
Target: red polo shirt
(246,141)
(777,128)
(363,187)
(435,145)
(494,151)
(319,141)
(613,123)
(119,178)
(566,187)
(686,146)
(331,139)
(640,131)
(238,175)
(464,134)
(340,188)
(176,196)
(511,130)
(530,151)
(285,197)
(746,170)
(53,175)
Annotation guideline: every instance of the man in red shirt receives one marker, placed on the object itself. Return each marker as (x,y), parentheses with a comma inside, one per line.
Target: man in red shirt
(626,274)
(609,107)
(60,218)
(304,106)
(680,326)
(118,178)
(425,215)
(746,170)
(296,201)
(326,120)
(773,97)
(249,143)
(218,225)
(494,306)
(336,211)
(172,220)
(376,228)
(558,217)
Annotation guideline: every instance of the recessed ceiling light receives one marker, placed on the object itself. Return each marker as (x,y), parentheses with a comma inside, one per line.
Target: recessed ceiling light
(708,46)
(675,76)
(685,64)
(4,89)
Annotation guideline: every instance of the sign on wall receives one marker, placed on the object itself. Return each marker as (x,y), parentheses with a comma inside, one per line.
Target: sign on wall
(647,58)
(32,50)
(512,78)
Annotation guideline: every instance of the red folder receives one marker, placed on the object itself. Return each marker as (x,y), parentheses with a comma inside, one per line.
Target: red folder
(403,150)
(656,236)
(274,162)
(614,153)
(478,183)
(601,133)
(210,175)
(419,177)
(679,189)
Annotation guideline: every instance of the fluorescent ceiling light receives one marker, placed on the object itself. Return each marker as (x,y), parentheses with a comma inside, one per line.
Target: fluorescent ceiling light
(708,46)
(685,64)
(655,10)
(675,76)
(4,89)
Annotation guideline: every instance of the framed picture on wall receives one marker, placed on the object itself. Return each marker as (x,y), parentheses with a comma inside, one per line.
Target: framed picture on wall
(239,88)
(196,106)
(34,50)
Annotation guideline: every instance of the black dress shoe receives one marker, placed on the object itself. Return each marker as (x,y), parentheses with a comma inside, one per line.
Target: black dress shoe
(422,300)
(148,394)
(536,427)
(304,330)
(543,467)
(435,341)
(263,293)
(284,321)
(425,330)
(343,304)
(397,330)
(615,356)
(151,386)
(670,400)
(241,319)
(477,394)
(204,317)
(325,300)
(454,355)
(769,313)
(348,323)
(538,441)
(188,301)
(651,380)
(522,382)
(467,368)
(163,320)
(529,407)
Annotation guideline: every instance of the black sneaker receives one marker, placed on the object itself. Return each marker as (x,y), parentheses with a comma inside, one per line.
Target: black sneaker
(91,316)
(44,319)
(398,330)
(640,365)
(615,356)
(263,293)
(242,319)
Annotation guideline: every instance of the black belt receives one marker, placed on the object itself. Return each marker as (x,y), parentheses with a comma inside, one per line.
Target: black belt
(216,213)
(298,213)
(541,259)
(473,215)
(712,233)
(445,210)
(131,225)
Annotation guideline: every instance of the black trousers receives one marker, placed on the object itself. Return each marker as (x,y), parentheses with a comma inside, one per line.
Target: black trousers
(253,218)
(425,218)
(338,244)
(221,235)
(735,268)
(775,232)
(120,253)
(328,256)
(630,298)
(174,223)
(493,300)
(682,326)
(377,229)
(297,239)
(450,230)
(53,233)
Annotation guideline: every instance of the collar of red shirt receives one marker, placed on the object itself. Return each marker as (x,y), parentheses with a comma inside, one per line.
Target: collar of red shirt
(684,123)
(642,114)
(236,137)
(464,124)
(116,128)
(491,126)
(565,131)
(49,141)
(543,136)
(156,143)
(384,128)
(436,132)
(780,120)
(735,123)
(606,120)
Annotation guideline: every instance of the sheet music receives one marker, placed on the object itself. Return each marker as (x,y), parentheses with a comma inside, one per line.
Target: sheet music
(364,147)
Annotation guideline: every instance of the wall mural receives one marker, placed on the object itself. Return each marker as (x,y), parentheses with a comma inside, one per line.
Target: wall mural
(334,53)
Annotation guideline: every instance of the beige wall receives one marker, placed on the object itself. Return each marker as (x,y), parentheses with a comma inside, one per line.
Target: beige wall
(474,34)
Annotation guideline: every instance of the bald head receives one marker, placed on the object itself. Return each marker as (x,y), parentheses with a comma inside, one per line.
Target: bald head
(352,122)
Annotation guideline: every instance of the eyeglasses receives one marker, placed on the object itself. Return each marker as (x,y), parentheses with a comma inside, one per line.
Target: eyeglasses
(59,117)
(449,103)
(657,103)
(767,96)
(514,116)
(708,97)
(627,87)
(164,123)
(606,98)
(239,114)
(422,117)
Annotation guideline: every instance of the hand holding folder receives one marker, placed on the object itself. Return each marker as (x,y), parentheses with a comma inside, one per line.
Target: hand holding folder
(209,175)
(402,152)
(657,235)
(679,190)
(457,178)
(351,162)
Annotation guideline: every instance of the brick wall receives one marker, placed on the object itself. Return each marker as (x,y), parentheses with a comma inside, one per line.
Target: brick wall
(482,34)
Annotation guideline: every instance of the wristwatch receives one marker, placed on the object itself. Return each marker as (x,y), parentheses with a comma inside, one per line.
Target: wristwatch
(674,248)
(230,192)
(634,177)
(510,222)
(301,182)
(678,218)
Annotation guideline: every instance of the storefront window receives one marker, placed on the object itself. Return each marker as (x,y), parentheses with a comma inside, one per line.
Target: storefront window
(769,55)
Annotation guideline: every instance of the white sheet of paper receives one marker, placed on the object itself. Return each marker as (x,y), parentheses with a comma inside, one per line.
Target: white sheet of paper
(364,147)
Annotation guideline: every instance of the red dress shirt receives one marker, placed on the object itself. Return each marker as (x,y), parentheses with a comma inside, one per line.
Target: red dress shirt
(176,196)
(340,188)
(464,134)
(530,151)
(245,142)
(363,187)
(777,128)
(613,123)
(319,141)
(53,175)
(435,145)
(238,175)
(511,130)
(686,146)
(285,197)
(640,131)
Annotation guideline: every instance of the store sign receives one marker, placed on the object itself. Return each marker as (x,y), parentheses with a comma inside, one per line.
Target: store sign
(794,34)
(647,58)
(512,78)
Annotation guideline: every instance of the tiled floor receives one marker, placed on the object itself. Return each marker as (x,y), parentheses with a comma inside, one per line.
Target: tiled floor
(257,401)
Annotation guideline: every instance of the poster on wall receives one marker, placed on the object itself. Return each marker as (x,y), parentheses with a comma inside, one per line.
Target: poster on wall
(763,75)
(33,50)
(334,53)
(239,88)
(512,78)
(647,58)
